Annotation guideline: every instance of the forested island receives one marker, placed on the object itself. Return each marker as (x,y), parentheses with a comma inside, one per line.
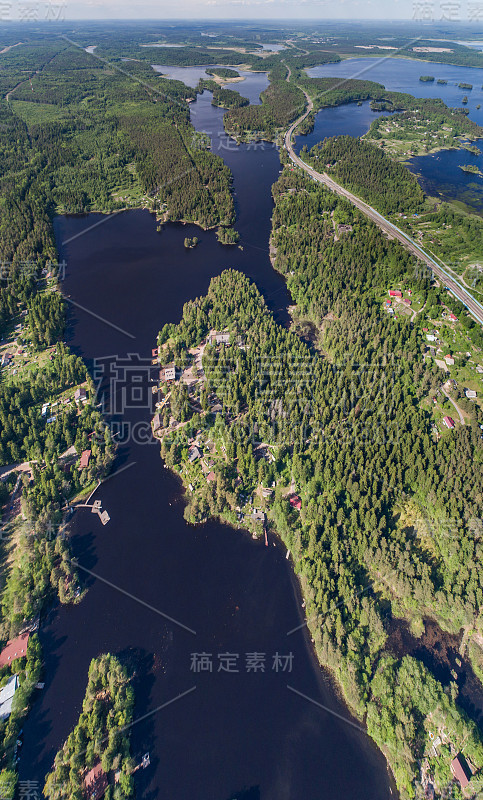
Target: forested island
(471,168)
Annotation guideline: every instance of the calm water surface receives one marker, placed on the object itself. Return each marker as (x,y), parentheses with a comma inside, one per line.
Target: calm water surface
(439,173)
(233,732)
(251,87)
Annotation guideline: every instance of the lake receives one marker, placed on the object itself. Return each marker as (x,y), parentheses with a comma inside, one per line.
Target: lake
(438,173)
(244,734)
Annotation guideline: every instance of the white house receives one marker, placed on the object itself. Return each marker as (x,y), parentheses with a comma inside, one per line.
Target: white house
(7,695)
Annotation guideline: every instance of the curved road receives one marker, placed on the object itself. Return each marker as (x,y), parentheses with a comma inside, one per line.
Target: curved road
(473,306)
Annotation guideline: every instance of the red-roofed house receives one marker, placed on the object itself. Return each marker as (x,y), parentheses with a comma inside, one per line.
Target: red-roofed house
(295,502)
(407,301)
(395,293)
(15,648)
(95,782)
(211,477)
(453,317)
(84,459)
(449,422)
(461,770)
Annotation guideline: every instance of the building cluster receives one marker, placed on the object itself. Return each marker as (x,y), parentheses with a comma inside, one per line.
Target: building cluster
(14,649)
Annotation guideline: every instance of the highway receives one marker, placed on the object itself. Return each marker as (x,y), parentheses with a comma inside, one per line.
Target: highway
(473,306)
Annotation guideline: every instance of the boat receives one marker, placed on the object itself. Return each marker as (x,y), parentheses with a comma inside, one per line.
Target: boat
(266,537)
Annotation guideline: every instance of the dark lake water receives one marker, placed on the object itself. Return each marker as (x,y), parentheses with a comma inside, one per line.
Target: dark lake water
(402,75)
(440,174)
(350,119)
(234,732)
(251,87)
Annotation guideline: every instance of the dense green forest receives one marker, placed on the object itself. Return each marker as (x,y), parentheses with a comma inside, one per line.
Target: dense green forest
(327,92)
(368,172)
(350,433)
(346,427)
(121,137)
(222,97)
(100,736)
(282,102)
(222,72)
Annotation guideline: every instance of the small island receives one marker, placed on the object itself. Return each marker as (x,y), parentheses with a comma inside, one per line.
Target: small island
(472,148)
(227,235)
(427,78)
(190,243)
(442,82)
(465,86)
(472,168)
(223,72)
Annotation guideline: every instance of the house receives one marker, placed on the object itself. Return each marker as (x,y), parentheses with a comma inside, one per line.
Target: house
(461,770)
(6,697)
(15,648)
(395,293)
(479,369)
(449,360)
(430,337)
(6,359)
(193,454)
(84,459)
(168,373)
(425,330)
(217,408)
(218,338)
(295,502)
(80,394)
(449,422)
(156,422)
(95,782)
(388,302)
(470,394)
(44,409)
(453,317)
(407,301)
(154,352)
(211,477)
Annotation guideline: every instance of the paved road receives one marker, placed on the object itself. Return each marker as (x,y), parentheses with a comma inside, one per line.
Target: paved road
(475,308)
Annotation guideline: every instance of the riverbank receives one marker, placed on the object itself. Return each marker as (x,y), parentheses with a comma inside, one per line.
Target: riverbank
(237,594)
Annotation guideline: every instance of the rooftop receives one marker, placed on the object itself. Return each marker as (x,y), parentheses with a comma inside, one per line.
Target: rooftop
(15,648)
